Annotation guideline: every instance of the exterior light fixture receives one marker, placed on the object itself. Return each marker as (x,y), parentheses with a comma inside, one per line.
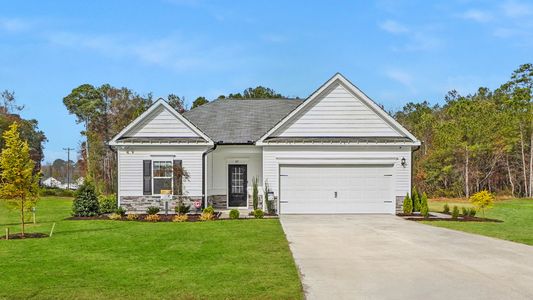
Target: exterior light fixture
(403,162)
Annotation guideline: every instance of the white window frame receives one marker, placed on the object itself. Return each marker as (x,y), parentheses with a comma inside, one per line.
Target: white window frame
(165,177)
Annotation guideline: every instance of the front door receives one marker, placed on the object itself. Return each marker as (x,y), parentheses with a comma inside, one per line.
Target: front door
(237,192)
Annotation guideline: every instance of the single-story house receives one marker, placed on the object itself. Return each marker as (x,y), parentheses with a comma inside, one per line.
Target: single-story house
(51,182)
(335,152)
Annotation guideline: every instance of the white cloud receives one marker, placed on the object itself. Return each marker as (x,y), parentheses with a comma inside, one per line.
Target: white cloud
(402,77)
(515,9)
(393,27)
(477,15)
(13,25)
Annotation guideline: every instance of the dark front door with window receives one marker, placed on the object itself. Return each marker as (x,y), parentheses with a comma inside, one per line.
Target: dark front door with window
(237,185)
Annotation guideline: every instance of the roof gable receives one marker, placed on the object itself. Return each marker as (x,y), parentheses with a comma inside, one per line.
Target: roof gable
(338,109)
(160,121)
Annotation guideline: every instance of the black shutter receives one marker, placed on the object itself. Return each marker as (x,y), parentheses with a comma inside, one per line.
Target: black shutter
(147,177)
(178,172)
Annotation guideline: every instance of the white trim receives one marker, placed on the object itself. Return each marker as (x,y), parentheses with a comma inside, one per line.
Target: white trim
(413,144)
(154,106)
(353,89)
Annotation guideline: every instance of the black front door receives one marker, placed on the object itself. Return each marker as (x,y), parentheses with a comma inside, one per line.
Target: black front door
(237,185)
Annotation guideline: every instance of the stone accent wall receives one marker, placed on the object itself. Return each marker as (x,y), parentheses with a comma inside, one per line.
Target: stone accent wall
(139,204)
(399,204)
(217,201)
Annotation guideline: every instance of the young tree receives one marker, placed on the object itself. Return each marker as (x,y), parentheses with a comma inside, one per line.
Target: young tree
(407,205)
(19,183)
(482,200)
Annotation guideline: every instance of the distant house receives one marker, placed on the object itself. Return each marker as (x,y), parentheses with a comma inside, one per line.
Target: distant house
(335,152)
(52,182)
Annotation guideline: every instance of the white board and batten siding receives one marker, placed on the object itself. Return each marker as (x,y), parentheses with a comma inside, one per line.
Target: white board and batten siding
(337,112)
(385,158)
(131,166)
(161,123)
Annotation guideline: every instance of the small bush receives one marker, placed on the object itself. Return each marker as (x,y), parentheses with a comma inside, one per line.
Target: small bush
(108,203)
(46,191)
(209,210)
(407,205)
(424,208)
(234,214)
(153,218)
(446,209)
(86,202)
(415,196)
(259,214)
(121,211)
(180,218)
(455,212)
(152,210)
(472,212)
(464,211)
(182,209)
(132,217)
(207,216)
(115,216)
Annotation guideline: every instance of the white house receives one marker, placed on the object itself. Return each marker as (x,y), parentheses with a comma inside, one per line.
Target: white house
(334,152)
(51,182)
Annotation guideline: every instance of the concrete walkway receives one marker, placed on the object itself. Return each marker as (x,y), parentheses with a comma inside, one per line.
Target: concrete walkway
(386,257)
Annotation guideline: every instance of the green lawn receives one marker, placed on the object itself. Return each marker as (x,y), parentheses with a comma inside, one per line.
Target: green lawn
(516,214)
(133,260)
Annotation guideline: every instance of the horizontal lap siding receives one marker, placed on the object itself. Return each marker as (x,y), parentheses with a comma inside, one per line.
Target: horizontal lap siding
(161,123)
(402,176)
(131,167)
(337,113)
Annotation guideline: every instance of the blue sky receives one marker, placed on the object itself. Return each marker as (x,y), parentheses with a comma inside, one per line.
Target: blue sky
(395,51)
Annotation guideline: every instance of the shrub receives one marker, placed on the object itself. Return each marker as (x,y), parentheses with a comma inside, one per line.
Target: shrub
(407,205)
(255,193)
(115,216)
(446,208)
(46,191)
(207,216)
(132,217)
(180,218)
(259,214)
(416,199)
(482,200)
(86,202)
(121,211)
(152,210)
(153,218)
(464,211)
(108,203)
(209,210)
(182,209)
(269,203)
(455,212)
(234,214)
(424,208)
(472,212)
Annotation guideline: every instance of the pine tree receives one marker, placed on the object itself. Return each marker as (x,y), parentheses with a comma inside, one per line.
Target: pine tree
(19,185)
(416,199)
(407,205)
(424,208)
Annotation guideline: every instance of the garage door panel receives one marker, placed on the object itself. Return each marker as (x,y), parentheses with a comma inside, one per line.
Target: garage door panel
(359,189)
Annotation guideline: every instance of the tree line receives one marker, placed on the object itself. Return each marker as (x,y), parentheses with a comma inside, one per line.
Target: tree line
(481,141)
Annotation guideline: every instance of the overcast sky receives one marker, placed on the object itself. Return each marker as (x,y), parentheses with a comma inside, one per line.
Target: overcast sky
(395,51)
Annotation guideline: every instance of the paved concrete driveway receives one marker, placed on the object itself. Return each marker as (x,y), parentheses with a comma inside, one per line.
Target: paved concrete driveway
(385,257)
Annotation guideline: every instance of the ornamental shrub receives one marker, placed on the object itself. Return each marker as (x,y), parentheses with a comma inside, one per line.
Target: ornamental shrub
(207,216)
(153,218)
(234,214)
(108,203)
(132,217)
(407,205)
(182,209)
(472,212)
(180,218)
(209,210)
(121,211)
(259,214)
(482,200)
(115,216)
(255,193)
(86,202)
(455,212)
(416,199)
(424,208)
(446,208)
(152,210)
(464,211)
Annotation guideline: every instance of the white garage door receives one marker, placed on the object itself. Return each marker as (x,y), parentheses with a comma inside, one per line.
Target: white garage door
(336,189)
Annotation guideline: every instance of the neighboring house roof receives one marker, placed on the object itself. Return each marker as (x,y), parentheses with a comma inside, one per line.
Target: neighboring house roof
(240,121)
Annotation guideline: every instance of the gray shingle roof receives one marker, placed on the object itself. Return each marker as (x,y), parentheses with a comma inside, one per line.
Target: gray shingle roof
(240,121)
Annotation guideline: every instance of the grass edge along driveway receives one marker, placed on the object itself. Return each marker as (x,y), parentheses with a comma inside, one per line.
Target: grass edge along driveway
(243,259)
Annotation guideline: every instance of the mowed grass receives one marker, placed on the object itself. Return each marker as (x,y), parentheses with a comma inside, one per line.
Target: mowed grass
(516,214)
(133,260)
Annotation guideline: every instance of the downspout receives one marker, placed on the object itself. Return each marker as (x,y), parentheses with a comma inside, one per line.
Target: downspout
(412,164)
(204,186)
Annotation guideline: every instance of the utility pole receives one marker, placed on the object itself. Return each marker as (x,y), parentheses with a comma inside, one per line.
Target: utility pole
(68,166)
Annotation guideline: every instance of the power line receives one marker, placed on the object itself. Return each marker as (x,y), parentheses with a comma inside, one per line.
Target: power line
(68,166)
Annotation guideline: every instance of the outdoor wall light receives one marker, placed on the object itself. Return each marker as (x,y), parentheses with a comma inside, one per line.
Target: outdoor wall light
(403,162)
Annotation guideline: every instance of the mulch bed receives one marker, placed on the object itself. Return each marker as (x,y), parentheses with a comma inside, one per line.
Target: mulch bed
(18,236)
(460,219)
(142,218)
(100,217)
